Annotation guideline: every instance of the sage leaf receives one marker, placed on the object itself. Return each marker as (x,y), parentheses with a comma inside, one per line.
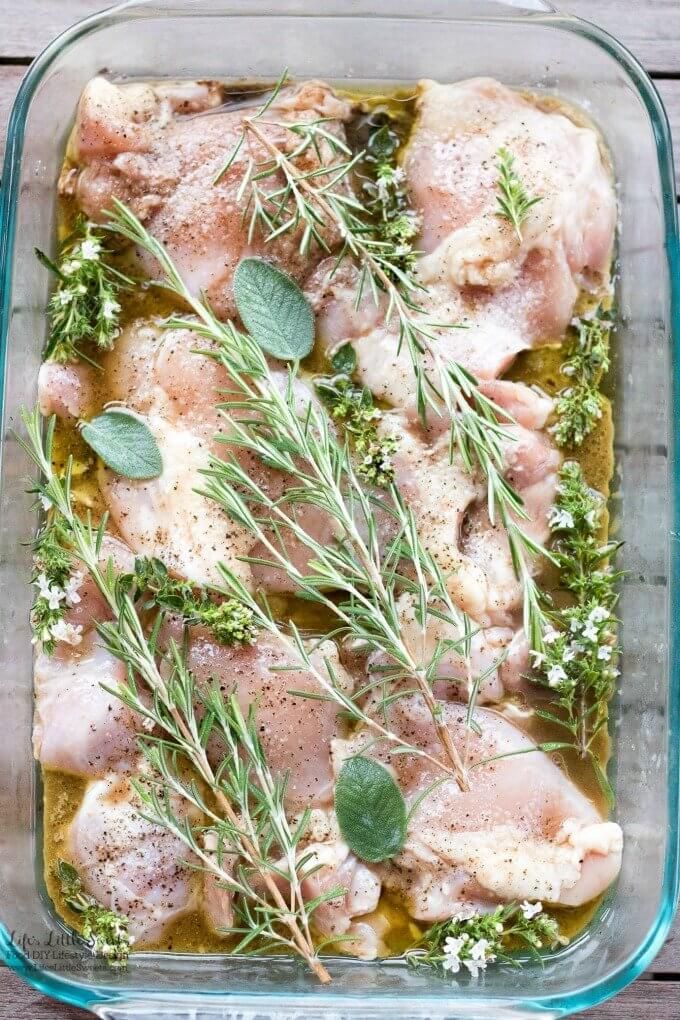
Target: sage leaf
(344,361)
(370,809)
(274,310)
(125,444)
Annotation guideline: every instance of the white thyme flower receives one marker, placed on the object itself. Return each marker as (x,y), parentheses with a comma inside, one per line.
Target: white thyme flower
(569,653)
(51,592)
(90,249)
(45,502)
(464,914)
(110,309)
(452,948)
(71,588)
(480,956)
(551,635)
(590,631)
(604,653)
(530,910)
(538,658)
(556,675)
(574,625)
(65,297)
(560,518)
(591,519)
(70,267)
(599,614)
(66,632)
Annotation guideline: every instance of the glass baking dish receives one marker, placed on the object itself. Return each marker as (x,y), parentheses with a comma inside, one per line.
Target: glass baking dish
(370,41)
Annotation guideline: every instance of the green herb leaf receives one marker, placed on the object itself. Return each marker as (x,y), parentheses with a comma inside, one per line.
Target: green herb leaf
(125,444)
(370,809)
(344,360)
(274,310)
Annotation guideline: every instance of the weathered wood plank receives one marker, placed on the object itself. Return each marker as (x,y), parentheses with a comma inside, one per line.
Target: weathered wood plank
(669,90)
(19,1002)
(650,28)
(29,25)
(10,79)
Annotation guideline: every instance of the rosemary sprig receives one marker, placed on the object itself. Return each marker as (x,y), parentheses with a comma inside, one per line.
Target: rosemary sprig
(473,940)
(281,919)
(578,407)
(321,198)
(578,663)
(105,931)
(513,201)
(306,448)
(84,308)
(230,622)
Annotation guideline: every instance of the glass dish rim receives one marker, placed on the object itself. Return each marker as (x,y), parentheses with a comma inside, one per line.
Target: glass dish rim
(87,996)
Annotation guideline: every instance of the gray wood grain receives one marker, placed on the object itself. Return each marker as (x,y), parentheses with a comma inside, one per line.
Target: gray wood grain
(650,28)
(10,79)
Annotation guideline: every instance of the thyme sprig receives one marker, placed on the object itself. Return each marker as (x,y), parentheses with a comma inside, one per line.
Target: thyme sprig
(578,407)
(353,407)
(322,199)
(473,940)
(252,839)
(105,931)
(83,310)
(229,621)
(578,663)
(306,448)
(513,202)
(57,587)
(388,203)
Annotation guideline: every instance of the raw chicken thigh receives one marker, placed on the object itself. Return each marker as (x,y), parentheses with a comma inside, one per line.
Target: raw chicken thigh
(78,727)
(159,374)
(129,865)
(161,152)
(522,831)
(296,732)
(452,168)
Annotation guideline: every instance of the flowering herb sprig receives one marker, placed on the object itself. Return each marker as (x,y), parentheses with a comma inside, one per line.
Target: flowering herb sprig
(472,940)
(388,202)
(578,407)
(579,660)
(57,587)
(513,202)
(353,406)
(105,931)
(230,622)
(84,309)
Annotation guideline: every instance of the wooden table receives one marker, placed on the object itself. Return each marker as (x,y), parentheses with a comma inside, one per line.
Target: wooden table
(651,30)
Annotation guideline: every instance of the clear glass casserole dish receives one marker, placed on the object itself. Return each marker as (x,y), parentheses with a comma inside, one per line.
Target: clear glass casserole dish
(370,41)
